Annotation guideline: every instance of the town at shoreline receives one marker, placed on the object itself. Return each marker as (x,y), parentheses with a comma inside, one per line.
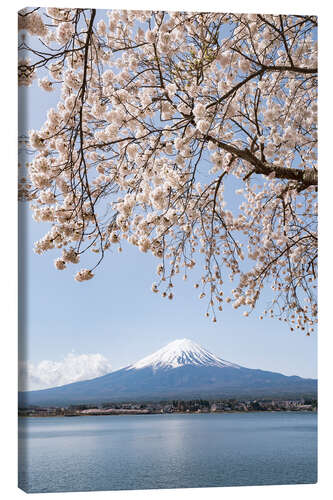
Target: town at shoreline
(193,406)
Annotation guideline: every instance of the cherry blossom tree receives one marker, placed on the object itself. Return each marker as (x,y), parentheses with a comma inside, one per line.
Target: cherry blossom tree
(162,118)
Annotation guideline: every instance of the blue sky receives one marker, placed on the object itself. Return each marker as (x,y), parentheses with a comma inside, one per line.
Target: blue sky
(118,316)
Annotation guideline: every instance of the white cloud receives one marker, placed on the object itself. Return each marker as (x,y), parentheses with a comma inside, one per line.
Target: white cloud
(72,368)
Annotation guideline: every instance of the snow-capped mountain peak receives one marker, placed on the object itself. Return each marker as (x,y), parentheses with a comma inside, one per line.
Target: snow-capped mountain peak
(200,374)
(180,353)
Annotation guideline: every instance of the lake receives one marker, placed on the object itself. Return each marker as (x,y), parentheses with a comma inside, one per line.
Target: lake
(167,451)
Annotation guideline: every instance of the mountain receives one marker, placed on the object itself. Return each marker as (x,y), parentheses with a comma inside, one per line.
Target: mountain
(180,370)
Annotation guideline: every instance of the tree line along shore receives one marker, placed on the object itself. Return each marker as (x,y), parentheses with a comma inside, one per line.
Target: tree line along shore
(174,406)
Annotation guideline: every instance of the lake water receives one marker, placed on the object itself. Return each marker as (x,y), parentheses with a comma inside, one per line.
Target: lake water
(166,451)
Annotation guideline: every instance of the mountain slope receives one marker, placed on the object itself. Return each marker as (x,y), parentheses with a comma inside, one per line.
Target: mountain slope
(182,369)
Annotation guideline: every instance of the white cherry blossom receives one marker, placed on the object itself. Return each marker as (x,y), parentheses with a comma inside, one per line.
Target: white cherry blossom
(161,119)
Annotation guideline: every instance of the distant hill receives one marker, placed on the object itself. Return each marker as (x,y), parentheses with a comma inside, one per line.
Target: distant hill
(180,370)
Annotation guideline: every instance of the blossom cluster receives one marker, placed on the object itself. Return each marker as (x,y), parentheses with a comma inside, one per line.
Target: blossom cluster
(159,116)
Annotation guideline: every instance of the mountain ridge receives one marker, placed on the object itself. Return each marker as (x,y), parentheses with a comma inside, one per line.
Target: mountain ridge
(180,370)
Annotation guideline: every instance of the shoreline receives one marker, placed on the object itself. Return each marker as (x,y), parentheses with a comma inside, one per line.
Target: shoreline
(166,413)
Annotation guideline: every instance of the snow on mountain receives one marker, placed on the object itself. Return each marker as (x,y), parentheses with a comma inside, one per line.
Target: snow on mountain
(180,353)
